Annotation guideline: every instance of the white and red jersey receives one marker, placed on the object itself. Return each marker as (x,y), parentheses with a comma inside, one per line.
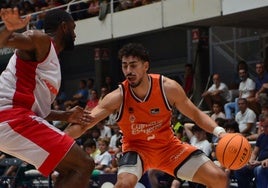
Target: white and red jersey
(30,85)
(27,90)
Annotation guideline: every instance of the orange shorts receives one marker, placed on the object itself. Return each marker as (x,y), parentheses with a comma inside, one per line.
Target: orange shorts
(166,158)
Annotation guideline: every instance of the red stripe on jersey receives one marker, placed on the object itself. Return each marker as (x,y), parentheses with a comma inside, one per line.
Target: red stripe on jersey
(25,85)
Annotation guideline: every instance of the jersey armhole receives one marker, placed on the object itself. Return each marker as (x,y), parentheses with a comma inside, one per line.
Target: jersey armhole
(161,80)
(120,112)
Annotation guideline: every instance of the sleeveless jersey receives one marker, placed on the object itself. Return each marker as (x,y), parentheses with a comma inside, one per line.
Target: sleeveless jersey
(27,90)
(146,128)
(148,120)
(30,85)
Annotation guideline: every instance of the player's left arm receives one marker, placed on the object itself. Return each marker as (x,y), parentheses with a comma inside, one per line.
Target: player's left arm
(177,97)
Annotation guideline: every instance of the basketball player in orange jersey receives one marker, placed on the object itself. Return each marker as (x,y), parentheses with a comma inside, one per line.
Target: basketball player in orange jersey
(28,87)
(144,105)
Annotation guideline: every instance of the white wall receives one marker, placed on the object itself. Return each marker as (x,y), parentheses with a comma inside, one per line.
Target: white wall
(92,30)
(137,20)
(145,18)
(234,6)
(178,12)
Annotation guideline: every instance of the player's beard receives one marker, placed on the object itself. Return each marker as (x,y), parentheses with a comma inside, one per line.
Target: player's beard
(134,85)
(68,42)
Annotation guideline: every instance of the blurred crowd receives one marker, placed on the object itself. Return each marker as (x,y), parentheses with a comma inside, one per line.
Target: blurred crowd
(79,10)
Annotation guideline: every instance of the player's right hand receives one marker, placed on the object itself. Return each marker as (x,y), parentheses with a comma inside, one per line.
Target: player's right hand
(12,19)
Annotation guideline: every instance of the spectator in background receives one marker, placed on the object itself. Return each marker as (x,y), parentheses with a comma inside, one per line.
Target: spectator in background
(13,3)
(217,111)
(198,138)
(109,83)
(104,91)
(246,118)
(90,147)
(95,134)
(262,76)
(112,119)
(105,131)
(260,94)
(258,164)
(188,81)
(116,135)
(54,3)
(253,137)
(94,8)
(90,86)
(39,24)
(237,80)
(61,98)
(218,92)
(58,123)
(79,10)
(261,81)
(104,158)
(231,126)
(26,8)
(125,4)
(39,3)
(178,129)
(80,97)
(179,133)
(137,3)
(93,101)
(113,167)
(246,90)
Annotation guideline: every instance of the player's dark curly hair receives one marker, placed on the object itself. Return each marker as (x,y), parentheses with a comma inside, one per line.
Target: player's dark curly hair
(54,18)
(135,50)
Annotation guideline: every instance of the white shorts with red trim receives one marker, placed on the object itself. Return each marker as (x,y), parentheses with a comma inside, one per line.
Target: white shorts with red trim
(33,139)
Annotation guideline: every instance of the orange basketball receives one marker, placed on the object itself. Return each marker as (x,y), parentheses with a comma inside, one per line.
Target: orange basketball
(233,151)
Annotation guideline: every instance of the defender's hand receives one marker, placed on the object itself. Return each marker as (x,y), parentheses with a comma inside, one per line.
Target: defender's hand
(79,115)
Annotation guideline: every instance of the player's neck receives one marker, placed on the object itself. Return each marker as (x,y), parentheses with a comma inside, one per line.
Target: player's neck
(143,89)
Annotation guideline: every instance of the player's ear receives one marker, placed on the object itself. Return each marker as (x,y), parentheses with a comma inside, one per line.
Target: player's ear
(64,26)
(146,65)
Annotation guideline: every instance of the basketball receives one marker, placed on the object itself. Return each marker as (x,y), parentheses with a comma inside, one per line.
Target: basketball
(233,151)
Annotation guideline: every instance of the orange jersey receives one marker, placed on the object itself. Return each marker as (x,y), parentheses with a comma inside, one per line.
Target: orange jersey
(146,127)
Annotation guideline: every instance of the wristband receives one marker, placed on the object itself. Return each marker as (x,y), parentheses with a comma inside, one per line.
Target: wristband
(218,130)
